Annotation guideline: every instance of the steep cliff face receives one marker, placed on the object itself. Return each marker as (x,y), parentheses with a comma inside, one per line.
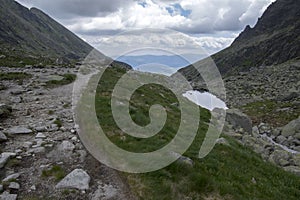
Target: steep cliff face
(275,39)
(31,36)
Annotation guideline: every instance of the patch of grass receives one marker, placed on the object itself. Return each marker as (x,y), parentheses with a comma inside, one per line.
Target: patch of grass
(13,163)
(16,76)
(58,122)
(227,172)
(50,112)
(56,171)
(271,112)
(68,78)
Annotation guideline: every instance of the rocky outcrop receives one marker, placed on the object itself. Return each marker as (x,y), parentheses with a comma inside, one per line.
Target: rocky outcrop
(238,120)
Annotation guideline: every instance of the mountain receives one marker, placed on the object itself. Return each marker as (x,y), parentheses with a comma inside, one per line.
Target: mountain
(29,36)
(275,39)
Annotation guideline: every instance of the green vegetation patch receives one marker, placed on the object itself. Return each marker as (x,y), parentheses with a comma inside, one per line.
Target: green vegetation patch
(68,78)
(56,171)
(228,172)
(14,76)
(272,112)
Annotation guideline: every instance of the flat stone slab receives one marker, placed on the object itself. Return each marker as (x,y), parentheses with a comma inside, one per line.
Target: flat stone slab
(19,131)
(77,179)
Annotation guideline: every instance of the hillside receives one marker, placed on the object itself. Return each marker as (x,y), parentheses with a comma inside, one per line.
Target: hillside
(275,39)
(32,37)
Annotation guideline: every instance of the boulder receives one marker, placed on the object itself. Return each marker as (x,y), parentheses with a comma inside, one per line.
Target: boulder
(77,179)
(293,169)
(291,128)
(11,177)
(18,131)
(3,137)
(239,120)
(5,157)
(280,157)
(14,186)
(7,196)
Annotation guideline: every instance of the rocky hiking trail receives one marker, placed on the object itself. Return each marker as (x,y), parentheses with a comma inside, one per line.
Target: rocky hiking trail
(41,154)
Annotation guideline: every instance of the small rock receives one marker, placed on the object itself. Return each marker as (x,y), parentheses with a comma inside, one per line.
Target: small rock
(4,158)
(67,146)
(17,92)
(38,150)
(77,179)
(14,186)
(41,129)
(222,141)
(33,188)
(3,137)
(19,130)
(27,144)
(10,177)
(8,196)
(40,136)
(183,159)
(280,139)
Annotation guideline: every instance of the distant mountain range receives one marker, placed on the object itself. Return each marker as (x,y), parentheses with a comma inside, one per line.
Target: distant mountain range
(275,39)
(32,37)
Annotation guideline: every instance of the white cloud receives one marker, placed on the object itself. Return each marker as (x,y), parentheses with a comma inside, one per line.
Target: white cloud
(100,20)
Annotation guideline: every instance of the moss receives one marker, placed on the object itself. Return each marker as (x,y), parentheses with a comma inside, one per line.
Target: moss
(56,171)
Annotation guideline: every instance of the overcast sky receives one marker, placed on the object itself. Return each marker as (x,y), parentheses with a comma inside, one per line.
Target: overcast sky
(212,24)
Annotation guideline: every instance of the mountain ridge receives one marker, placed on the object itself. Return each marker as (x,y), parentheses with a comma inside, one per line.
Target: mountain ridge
(275,39)
(26,35)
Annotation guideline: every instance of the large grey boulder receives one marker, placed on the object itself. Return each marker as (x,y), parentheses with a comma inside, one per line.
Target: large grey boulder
(291,128)
(18,131)
(77,179)
(239,120)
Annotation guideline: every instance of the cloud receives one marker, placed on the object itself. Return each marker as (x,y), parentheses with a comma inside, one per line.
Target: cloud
(188,16)
(211,24)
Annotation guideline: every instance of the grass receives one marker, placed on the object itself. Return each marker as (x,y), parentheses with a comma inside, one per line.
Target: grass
(68,78)
(15,76)
(226,173)
(269,111)
(56,171)
(58,122)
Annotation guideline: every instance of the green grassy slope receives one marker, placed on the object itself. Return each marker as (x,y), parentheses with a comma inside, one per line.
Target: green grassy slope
(228,172)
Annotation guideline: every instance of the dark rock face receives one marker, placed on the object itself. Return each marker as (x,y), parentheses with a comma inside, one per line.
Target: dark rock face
(275,39)
(5,111)
(33,35)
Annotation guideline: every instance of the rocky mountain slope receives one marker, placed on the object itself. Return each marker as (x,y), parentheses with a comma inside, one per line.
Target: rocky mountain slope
(32,37)
(275,39)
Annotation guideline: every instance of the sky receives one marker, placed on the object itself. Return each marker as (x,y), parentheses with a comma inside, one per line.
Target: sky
(116,27)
